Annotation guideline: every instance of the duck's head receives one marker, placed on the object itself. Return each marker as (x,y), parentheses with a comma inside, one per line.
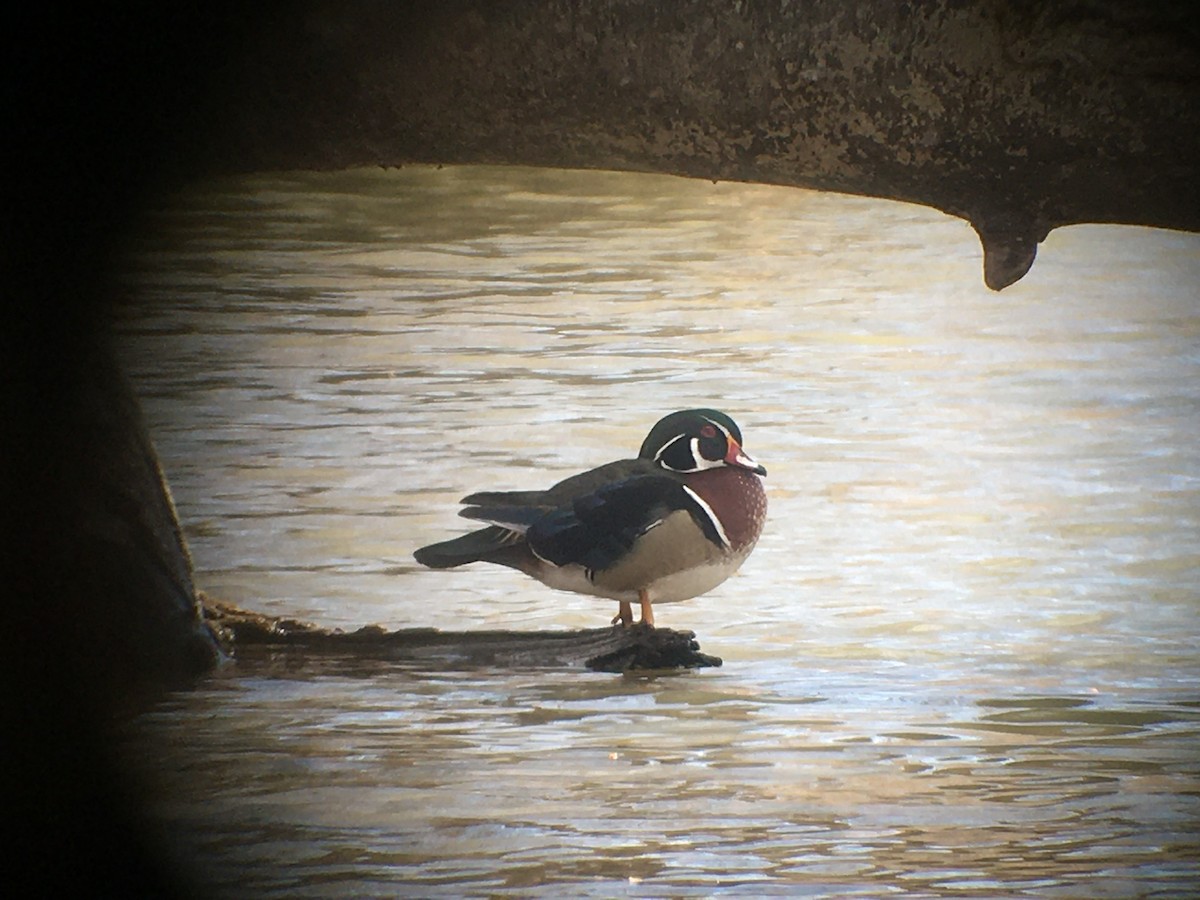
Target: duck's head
(693,440)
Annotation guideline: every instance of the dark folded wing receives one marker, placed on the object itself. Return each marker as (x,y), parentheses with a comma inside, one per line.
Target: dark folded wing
(484,544)
(517,510)
(505,498)
(513,518)
(600,527)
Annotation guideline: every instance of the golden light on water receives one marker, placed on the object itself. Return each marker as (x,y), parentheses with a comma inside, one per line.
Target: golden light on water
(962,658)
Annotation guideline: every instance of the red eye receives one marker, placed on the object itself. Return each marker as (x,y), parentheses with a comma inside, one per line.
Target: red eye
(708,431)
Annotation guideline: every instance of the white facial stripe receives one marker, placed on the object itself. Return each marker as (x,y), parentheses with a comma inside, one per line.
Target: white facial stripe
(712,516)
(701,462)
(663,448)
(724,430)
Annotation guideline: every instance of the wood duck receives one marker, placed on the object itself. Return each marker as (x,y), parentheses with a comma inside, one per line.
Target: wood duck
(669,525)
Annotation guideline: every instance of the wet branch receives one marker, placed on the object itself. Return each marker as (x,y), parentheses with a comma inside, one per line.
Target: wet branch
(250,635)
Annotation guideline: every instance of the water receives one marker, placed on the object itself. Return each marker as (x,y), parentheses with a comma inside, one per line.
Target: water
(962,661)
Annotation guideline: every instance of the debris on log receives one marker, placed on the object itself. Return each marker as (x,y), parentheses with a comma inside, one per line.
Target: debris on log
(253,636)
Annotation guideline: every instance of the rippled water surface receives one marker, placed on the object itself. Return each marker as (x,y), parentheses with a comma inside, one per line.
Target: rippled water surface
(963,660)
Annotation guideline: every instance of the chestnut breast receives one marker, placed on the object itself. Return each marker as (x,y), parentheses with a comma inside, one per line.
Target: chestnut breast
(737,498)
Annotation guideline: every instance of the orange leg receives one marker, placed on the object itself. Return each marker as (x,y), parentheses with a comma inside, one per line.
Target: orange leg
(625,614)
(647,610)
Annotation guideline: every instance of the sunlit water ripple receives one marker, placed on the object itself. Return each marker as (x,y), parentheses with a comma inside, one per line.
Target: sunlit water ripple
(962,661)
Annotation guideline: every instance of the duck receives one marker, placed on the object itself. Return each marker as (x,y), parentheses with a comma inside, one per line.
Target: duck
(669,525)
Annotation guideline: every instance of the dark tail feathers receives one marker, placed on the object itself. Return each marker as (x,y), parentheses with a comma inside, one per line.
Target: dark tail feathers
(477,546)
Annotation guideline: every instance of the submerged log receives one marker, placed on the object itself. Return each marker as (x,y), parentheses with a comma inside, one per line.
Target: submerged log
(254,637)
